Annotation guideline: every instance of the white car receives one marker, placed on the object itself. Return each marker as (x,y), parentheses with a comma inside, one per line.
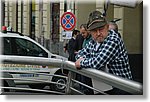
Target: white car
(16,44)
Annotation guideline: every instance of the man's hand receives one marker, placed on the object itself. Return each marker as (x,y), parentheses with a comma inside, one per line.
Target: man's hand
(77,63)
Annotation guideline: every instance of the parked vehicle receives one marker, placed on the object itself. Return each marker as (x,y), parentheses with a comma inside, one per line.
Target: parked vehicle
(16,44)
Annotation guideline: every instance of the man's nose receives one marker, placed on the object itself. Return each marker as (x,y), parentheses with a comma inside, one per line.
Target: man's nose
(99,33)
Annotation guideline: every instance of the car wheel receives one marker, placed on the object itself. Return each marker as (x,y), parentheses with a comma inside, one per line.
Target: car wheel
(57,87)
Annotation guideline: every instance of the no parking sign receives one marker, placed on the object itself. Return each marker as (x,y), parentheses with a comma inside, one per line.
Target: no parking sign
(68,21)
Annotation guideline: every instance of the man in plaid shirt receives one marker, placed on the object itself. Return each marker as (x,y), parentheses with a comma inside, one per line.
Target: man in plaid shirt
(106,49)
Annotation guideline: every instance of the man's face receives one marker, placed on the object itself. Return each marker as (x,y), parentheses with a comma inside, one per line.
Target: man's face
(84,32)
(100,34)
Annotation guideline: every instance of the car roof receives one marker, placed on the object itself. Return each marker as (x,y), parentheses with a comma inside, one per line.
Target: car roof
(12,34)
(17,35)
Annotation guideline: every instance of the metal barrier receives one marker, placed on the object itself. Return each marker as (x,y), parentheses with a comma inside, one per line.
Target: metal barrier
(32,80)
(124,84)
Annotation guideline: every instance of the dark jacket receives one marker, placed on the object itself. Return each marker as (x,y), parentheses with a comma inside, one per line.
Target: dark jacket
(79,42)
(71,49)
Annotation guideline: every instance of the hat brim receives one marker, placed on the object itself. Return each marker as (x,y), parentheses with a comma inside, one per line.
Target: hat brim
(96,25)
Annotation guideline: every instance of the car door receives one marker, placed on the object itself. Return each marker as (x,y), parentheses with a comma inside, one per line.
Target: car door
(15,46)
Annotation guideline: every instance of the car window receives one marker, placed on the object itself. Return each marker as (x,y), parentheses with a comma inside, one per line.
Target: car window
(23,47)
(7,49)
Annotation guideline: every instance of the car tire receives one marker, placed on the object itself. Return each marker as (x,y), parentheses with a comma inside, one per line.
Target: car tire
(56,87)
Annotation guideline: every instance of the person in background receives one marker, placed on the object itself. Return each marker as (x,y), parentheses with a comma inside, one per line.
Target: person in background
(113,26)
(65,47)
(86,35)
(86,80)
(106,49)
(71,46)
(79,42)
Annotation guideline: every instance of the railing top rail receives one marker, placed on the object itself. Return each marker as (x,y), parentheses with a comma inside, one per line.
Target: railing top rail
(31,60)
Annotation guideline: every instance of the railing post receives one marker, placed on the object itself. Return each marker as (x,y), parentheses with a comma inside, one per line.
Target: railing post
(71,75)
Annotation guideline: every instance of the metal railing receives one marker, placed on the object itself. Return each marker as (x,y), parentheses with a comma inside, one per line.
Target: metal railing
(130,86)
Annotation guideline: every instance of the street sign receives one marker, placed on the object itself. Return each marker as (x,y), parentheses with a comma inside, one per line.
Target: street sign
(68,21)
(67,34)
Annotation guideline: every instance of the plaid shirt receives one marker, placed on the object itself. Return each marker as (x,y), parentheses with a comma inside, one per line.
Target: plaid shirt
(111,53)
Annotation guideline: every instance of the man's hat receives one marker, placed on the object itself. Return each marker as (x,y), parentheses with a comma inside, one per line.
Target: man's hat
(96,20)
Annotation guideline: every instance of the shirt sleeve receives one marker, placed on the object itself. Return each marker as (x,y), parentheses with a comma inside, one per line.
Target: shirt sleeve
(106,53)
(84,52)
